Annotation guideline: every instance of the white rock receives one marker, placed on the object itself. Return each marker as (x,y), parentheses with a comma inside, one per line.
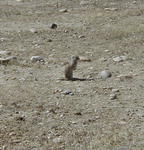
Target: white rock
(106,50)
(37,58)
(113,96)
(119,58)
(33,30)
(111,9)
(83,58)
(67,92)
(63,10)
(2,39)
(115,90)
(81,36)
(5,52)
(105,74)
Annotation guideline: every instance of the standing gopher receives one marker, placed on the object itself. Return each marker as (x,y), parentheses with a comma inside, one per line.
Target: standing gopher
(71,67)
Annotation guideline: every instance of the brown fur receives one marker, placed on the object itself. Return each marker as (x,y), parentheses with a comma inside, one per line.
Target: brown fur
(71,67)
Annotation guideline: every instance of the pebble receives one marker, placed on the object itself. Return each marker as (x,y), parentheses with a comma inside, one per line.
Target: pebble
(119,58)
(113,96)
(49,40)
(57,91)
(111,9)
(67,92)
(105,74)
(63,10)
(2,39)
(115,90)
(5,53)
(33,30)
(53,26)
(37,58)
(106,50)
(82,58)
(81,36)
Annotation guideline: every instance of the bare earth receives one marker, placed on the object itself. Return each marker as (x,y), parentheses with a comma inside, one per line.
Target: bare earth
(40,112)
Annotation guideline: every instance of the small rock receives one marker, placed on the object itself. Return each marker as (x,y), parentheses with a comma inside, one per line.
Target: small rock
(5,53)
(53,26)
(106,50)
(78,113)
(12,133)
(119,58)
(81,36)
(82,58)
(115,90)
(105,74)
(2,39)
(37,58)
(66,31)
(73,122)
(63,10)
(33,30)
(67,92)
(49,40)
(57,91)
(22,79)
(113,96)
(111,9)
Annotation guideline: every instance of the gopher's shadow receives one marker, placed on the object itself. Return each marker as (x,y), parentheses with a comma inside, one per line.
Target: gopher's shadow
(81,79)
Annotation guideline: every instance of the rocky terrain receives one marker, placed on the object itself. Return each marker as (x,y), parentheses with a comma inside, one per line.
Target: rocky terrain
(102,111)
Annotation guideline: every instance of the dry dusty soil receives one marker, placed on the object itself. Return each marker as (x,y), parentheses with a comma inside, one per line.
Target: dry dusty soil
(40,112)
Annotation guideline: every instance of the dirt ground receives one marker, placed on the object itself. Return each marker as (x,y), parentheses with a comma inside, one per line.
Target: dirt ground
(40,112)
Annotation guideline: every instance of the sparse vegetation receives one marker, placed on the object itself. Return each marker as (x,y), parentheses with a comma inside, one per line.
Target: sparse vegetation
(35,113)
